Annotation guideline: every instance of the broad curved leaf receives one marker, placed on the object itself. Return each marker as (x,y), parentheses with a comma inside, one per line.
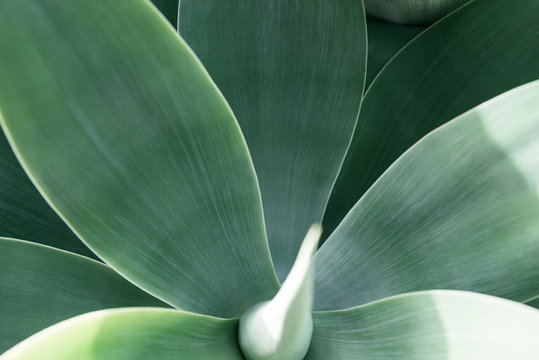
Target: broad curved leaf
(293,73)
(41,286)
(434,325)
(133,334)
(24,214)
(459,210)
(384,41)
(412,11)
(121,128)
(476,53)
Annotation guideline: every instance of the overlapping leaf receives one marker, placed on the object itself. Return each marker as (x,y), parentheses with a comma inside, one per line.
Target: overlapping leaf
(25,214)
(41,286)
(412,12)
(133,334)
(293,73)
(169,9)
(459,210)
(131,142)
(434,325)
(133,145)
(478,52)
(384,41)
(534,303)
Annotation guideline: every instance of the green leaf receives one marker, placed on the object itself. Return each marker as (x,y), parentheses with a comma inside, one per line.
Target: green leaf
(25,214)
(444,325)
(293,73)
(412,11)
(385,40)
(459,210)
(476,53)
(41,286)
(133,334)
(169,9)
(132,143)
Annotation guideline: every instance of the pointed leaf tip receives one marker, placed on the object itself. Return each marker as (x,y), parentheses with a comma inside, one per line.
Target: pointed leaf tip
(282,328)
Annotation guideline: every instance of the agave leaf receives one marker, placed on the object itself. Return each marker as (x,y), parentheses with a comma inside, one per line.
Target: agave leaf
(133,334)
(293,73)
(131,142)
(434,325)
(459,210)
(384,41)
(41,286)
(25,214)
(533,303)
(472,55)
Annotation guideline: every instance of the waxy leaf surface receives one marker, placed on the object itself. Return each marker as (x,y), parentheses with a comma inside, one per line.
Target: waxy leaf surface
(133,334)
(24,214)
(434,325)
(459,210)
(476,53)
(293,73)
(41,286)
(131,142)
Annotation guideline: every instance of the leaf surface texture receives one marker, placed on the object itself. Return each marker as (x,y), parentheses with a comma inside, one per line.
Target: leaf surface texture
(434,325)
(478,52)
(293,73)
(133,334)
(132,143)
(459,210)
(41,286)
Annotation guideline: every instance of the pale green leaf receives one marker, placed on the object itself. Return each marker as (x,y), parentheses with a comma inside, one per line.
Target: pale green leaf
(133,334)
(476,53)
(459,210)
(41,286)
(293,73)
(433,325)
(282,327)
(123,131)
(533,303)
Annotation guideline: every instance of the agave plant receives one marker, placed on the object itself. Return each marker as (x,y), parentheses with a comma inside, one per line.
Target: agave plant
(429,199)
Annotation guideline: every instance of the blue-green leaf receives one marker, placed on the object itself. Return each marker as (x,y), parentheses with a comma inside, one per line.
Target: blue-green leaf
(478,52)
(169,9)
(293,73)
(41,286)
(459,210)
(123,131)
